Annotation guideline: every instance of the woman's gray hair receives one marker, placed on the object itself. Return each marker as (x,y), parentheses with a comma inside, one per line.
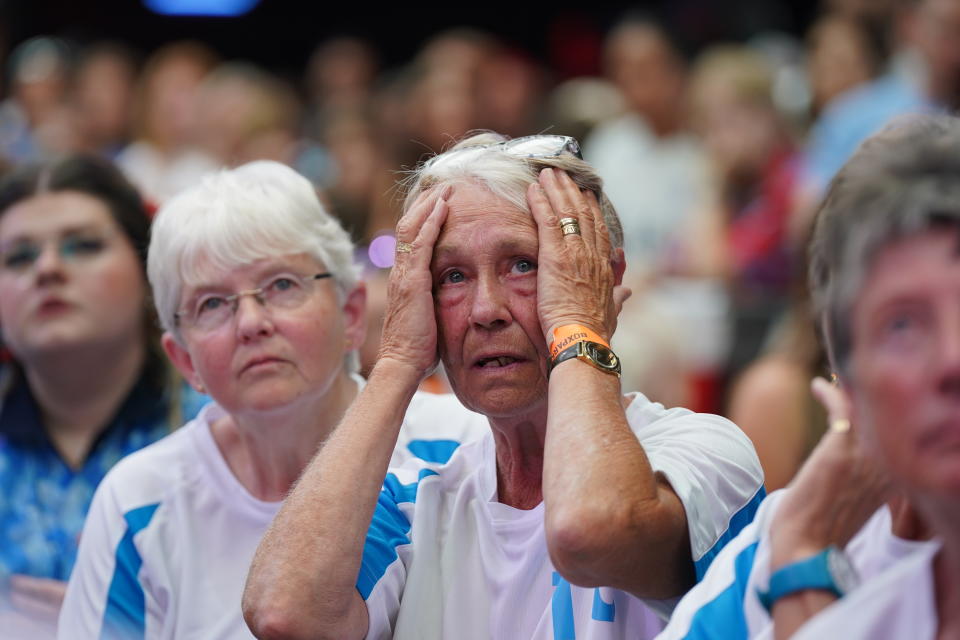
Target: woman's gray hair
(234,217)
(902,181)
(478,158)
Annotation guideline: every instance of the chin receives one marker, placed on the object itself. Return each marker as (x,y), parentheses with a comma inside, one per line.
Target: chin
(510,402)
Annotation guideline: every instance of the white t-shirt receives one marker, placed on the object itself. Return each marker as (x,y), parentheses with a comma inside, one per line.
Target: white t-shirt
(899,603)
(444,559)
(171,531)
(725,603)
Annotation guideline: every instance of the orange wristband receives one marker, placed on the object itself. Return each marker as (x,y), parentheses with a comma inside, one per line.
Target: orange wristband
(569,334)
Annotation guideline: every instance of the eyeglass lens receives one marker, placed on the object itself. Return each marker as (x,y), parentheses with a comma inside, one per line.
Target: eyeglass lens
(283,292)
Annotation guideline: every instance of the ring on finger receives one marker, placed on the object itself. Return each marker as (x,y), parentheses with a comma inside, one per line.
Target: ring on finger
(569,226)
(840,425)
(404,247)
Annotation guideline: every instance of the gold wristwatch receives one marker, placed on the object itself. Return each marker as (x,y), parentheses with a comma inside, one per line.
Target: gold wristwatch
(593,353)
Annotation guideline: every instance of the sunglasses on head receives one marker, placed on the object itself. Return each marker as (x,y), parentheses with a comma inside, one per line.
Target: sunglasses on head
(538,146)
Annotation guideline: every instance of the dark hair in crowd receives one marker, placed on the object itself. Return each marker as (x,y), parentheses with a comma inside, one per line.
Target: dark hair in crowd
(89,175)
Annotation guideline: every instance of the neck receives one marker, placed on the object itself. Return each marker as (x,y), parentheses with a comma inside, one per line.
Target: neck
(266,451)
(519,444)
(80,390)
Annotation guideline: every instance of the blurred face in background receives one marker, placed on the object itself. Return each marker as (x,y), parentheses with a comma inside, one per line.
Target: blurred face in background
(168,101)
(648,73)
(839,59)
(69,277)
(103,98)
(905,361)
(934,31)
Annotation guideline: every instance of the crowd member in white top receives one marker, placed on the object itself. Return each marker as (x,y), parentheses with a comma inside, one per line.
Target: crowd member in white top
(885,281)
(508,263)
(259,295)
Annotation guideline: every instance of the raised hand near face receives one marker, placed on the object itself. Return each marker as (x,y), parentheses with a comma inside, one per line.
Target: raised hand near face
(576,281)
(836,491)
(410,328)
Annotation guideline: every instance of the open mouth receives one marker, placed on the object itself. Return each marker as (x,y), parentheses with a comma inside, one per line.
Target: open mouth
(495,362)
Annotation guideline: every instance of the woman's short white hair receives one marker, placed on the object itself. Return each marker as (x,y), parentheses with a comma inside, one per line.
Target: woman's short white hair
(235,217)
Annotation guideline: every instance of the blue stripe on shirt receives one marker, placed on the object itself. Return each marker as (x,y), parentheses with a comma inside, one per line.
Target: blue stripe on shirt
(388,530)
(723,618)
(433,450)
(124,616)
(738,521)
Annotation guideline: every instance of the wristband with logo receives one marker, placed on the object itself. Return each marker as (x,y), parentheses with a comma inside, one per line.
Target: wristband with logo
(570,334)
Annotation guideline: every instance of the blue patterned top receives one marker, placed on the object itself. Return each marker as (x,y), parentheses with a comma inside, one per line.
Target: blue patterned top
(43,501)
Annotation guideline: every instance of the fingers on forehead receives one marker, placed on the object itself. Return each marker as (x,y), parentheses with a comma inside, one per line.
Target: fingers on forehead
(410,223)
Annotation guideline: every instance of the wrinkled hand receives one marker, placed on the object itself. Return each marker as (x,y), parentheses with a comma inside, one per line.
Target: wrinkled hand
(410,328)
(836,491)
(575,278)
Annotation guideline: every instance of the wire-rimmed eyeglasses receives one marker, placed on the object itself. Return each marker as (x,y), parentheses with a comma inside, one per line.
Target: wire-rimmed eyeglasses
(210,311)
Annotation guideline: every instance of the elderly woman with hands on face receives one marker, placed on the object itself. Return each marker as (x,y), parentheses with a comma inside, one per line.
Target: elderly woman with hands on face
(583,513)
(263,308)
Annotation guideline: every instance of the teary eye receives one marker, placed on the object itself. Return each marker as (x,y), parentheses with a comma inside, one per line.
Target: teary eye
(452,277)
(523,265)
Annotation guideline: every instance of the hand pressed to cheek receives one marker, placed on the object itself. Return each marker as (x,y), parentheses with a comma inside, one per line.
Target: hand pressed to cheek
(575,277)
(409,329)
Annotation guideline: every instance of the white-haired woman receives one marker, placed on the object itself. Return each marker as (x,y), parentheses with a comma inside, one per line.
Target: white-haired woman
(505,247)
(256,287)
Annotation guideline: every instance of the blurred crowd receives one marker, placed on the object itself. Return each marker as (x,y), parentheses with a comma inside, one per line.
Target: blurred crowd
(715,162)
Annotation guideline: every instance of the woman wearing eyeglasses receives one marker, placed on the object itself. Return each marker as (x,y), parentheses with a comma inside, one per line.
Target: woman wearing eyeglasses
(582,513)
(88,382)
(257,289)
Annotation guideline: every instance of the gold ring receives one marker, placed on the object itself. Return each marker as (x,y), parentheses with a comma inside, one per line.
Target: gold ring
(404,247)
(841,425)
(569,226)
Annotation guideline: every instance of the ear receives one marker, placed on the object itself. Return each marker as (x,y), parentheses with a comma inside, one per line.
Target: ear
(355,317)
(619,264)
(181,359)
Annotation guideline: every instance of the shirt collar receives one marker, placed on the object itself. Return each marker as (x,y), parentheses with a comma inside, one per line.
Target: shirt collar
(21,423)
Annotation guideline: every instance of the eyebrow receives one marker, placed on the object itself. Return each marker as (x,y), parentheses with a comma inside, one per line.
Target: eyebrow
(259,277)
(81,228)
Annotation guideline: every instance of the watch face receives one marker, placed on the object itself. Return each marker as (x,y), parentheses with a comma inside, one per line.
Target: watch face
(603,356)
(843,573)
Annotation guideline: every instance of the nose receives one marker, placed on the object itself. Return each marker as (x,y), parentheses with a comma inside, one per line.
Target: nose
(253,318)
(49,265)
(489,308)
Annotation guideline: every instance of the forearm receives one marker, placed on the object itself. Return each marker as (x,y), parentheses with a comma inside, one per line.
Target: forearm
(609,520)
(303,575)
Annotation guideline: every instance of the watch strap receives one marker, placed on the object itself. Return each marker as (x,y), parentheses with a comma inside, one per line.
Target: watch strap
(586,351)
(811,573)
